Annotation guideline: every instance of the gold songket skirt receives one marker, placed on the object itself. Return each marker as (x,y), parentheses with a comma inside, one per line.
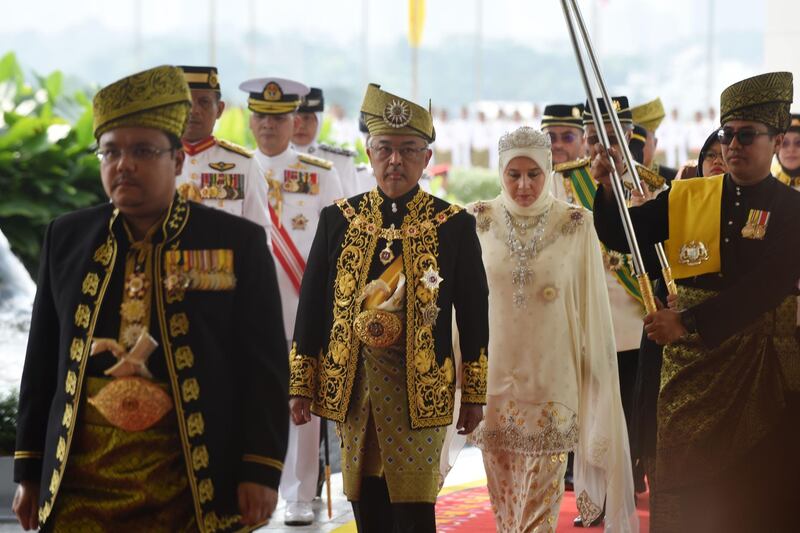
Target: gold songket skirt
(377,439)
(122,481)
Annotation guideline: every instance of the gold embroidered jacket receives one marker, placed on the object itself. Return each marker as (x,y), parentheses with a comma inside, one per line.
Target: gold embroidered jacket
(436,240)
(222,351)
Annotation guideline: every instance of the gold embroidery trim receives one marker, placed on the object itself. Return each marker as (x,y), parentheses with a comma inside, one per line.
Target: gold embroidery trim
(213,523)
(338,363)
(302,371)
(260,459)
(104,255)
(588,510)
(475,374)
(28,455)
(429,387)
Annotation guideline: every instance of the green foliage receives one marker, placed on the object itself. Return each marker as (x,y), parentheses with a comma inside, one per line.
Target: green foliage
(465,185)
(8,423)
(234,126)
(47,167)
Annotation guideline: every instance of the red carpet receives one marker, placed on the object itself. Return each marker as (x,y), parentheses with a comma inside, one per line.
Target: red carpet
(468,511)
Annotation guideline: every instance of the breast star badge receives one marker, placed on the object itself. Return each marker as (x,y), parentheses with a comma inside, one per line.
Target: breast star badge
(299,222)
(431,278)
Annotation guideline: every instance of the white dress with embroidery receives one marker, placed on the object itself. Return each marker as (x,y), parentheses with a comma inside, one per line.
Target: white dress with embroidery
(553,385)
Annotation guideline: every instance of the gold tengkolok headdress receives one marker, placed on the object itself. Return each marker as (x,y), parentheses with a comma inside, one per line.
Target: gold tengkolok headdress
(649,115)
(158,98)
(765,98)
(387,114)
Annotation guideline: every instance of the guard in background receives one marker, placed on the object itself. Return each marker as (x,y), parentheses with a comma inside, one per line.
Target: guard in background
(216,172)
(304,140)
(301,185)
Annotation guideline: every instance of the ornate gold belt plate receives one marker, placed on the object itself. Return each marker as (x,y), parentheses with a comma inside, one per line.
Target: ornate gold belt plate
(378,329)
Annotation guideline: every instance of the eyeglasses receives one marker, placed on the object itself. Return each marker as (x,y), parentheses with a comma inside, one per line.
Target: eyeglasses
(591,140)
(788,143)
(567,138)
(140,152)
(712,156)
(745,137)
(406,153)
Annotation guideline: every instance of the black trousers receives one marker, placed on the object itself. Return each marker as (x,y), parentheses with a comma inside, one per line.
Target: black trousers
(374,513)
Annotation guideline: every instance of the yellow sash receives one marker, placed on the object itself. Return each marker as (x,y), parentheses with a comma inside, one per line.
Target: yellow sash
(391,277)
(694,218)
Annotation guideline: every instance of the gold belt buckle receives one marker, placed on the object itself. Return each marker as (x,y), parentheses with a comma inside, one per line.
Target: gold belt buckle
(378,329)
(132,403)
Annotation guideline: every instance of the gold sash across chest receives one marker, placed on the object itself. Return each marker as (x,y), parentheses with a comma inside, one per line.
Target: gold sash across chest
(380,328)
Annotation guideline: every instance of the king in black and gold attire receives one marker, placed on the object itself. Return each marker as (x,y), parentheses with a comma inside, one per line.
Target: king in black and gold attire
(155,376)
(373,339)
(730,386)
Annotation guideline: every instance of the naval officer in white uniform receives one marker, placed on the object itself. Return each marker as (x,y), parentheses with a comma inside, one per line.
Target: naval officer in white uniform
(300,186)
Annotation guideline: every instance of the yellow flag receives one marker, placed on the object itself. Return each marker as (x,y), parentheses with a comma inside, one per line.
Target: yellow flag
(416,21)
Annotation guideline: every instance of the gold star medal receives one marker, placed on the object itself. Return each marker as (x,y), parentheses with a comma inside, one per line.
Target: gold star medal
(299,222)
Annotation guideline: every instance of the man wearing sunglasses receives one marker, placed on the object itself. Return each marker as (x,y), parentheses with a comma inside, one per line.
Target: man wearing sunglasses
(730,383)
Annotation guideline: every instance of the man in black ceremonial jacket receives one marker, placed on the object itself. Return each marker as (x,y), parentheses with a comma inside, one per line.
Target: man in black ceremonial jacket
(728,407)
(152,393)
(372,345)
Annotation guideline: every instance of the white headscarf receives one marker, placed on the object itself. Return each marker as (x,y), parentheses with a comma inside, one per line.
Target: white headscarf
(533,144)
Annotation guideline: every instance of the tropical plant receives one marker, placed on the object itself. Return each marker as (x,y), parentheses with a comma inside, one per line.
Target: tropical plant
(47,165)
(8,423)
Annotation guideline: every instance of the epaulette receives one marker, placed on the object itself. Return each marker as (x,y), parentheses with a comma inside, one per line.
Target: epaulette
(235,148)
(652,178)
(316,161)
(571,165)
(336,150)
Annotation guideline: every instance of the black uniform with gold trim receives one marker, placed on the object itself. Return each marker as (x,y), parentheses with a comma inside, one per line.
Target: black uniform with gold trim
(434,236)
(221,352)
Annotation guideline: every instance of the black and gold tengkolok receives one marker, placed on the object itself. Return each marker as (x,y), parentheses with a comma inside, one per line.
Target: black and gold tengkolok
(649,115)
(203,78)
(620,104)
(765,98)
(441,263)
(563,115)
(387,114)
(158,98)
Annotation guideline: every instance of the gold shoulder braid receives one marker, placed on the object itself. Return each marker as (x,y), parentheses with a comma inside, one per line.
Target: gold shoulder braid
(429,387)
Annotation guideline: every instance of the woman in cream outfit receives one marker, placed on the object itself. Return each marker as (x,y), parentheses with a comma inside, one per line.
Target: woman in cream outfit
(553,385)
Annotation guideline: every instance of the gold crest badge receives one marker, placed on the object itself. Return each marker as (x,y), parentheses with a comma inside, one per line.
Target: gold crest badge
(576,113)
(397,114)
(693,253)
(222,166)
(272,92)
